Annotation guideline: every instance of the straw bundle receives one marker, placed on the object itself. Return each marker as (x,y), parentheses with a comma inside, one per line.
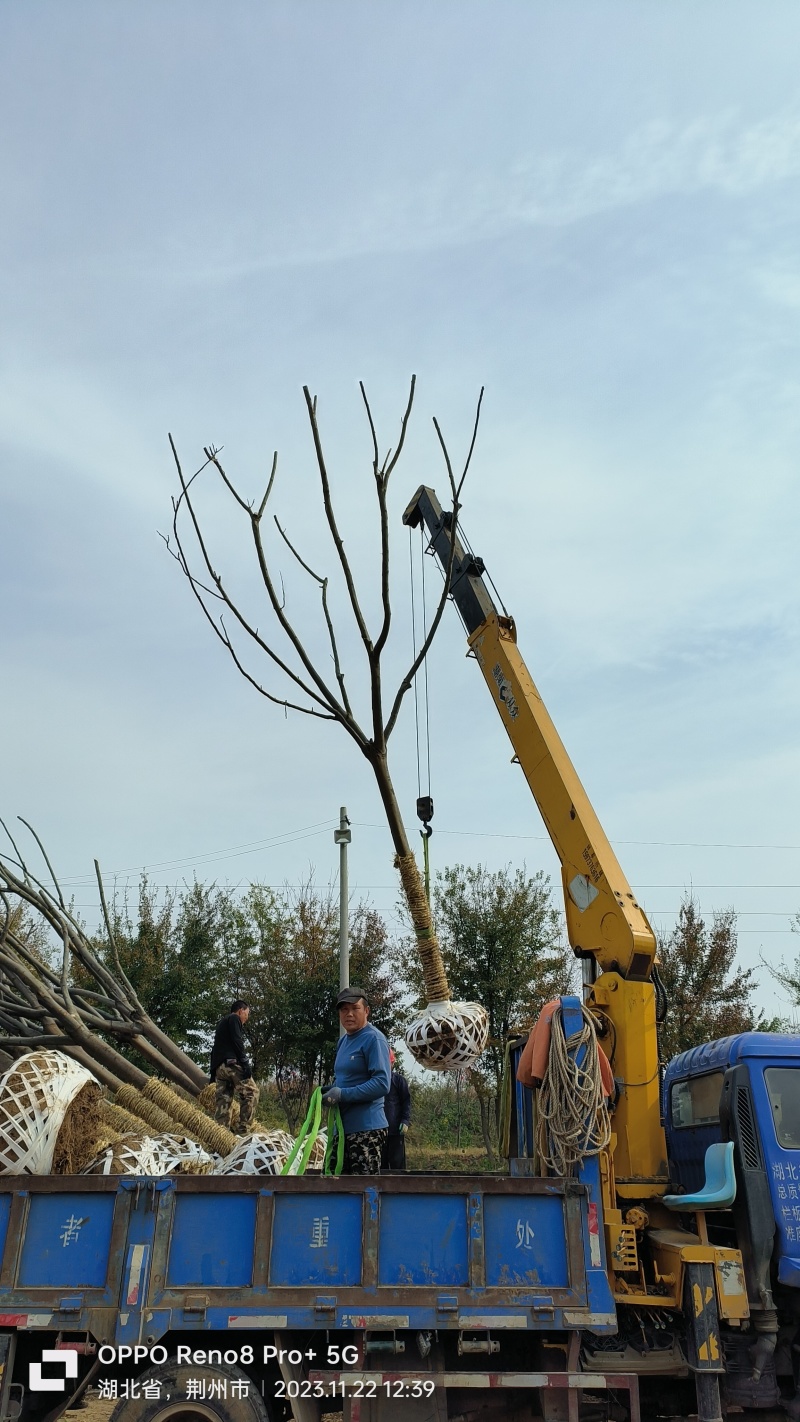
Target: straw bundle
(36,1105)
(115,1118)
(82,1132)
(214,1137)
(133,1101)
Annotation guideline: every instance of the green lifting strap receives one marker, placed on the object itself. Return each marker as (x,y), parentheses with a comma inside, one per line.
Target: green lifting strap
(308,1133)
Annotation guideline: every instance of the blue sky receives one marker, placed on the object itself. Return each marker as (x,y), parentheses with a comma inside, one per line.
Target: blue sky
(591,209)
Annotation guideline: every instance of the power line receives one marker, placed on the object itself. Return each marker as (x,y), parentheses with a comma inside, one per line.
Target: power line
(661,843)
(190,862)
(235,852)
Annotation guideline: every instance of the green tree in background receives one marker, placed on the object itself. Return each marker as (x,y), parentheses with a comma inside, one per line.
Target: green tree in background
(708,995)
(285,962)
(788,975)
(190,953)
(502,946)
(174,953)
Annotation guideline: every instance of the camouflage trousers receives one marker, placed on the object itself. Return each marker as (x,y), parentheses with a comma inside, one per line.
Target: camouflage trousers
(362,1152)
(230,1082)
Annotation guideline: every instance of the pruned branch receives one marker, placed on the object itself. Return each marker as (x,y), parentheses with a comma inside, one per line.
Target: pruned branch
(455,489)
(327,502)
(323,586)
(221,592)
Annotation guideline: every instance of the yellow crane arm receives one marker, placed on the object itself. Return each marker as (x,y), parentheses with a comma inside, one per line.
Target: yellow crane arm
(604,920)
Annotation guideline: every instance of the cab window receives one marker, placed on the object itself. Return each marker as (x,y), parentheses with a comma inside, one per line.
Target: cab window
(783,1088)
(696,1102)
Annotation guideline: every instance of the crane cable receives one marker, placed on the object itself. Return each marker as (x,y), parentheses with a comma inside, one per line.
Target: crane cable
(572,1114)
(424,802)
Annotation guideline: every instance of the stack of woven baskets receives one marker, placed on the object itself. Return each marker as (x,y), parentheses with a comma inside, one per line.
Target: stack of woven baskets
(55,1119)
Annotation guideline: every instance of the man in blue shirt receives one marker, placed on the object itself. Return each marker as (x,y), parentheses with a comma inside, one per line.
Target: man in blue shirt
(362,1077)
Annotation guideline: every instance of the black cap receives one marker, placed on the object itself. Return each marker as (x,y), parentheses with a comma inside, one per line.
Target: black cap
(350,994)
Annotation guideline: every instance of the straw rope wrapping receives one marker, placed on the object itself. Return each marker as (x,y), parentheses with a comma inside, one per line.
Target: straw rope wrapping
(437,988)
(83,1132)
(573,1120)
(116,1118)
(144,1112)
(35,1096)
(446,1036)
(214,1137)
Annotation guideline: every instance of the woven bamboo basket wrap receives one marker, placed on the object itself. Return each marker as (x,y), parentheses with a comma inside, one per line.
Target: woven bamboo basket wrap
(446,1036)
(316,1160)
(140,1154)
(215,1138)
(258,1154)
(35,1096)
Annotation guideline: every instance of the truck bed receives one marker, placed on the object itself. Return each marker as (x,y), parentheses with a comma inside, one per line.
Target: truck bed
(128,1260)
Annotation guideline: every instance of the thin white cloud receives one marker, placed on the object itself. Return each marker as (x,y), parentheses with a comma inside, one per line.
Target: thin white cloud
(715,153)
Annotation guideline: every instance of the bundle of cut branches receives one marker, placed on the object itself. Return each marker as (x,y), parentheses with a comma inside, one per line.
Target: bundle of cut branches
(42,1005)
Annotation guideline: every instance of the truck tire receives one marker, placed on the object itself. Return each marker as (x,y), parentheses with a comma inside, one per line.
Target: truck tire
(173,1405)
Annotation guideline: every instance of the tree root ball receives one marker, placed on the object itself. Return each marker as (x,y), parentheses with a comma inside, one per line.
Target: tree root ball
(448,1036)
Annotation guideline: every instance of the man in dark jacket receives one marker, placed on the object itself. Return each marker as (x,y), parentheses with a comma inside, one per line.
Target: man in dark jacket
(397,1107)
(231,1071)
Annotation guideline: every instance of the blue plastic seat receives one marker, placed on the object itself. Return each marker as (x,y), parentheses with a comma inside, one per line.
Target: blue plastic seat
(719,1191)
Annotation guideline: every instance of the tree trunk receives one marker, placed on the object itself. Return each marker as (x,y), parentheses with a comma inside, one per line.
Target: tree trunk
(437,988)
(167,1049)
(485,1131)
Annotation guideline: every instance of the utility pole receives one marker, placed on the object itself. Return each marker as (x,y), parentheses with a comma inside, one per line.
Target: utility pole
(342,837)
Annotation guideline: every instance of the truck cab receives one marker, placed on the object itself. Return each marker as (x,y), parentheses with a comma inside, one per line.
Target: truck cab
(744,1089)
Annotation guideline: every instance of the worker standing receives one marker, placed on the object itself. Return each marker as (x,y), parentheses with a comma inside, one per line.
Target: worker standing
(231,1071)
(398,1119)
(362,1077)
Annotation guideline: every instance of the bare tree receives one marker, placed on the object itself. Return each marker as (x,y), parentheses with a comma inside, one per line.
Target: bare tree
(78,1004)
(302,685)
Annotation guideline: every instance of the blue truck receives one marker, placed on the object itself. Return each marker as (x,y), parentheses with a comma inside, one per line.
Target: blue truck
(657,1277)
(424,1295)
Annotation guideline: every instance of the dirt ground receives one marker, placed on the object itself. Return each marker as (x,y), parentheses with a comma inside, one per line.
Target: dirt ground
(97,1409)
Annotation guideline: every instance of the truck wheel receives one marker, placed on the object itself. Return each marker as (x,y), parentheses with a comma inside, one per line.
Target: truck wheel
(174,1406)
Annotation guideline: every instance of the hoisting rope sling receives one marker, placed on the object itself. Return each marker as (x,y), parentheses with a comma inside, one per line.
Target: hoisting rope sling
(573,1120)
(308,1133)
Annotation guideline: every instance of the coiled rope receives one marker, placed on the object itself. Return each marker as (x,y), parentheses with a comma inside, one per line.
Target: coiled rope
(572,1115)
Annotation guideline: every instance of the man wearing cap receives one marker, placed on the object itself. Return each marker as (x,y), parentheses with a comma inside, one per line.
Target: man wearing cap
(362,1077)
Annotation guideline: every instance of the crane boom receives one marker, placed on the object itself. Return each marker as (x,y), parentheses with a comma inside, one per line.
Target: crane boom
(605,923)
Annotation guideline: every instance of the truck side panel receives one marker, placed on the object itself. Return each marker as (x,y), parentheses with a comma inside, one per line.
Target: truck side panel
(132,1259)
